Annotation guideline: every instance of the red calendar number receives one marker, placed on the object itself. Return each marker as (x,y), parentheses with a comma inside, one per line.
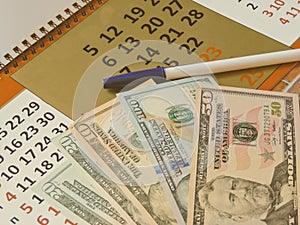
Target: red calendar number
(211,54)
(28,209)
(67,221)
(42,220)
(252,77)
(10,196)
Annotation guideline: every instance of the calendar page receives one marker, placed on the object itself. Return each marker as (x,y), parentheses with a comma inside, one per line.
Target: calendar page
(98,46)
(273,18)
(26,156)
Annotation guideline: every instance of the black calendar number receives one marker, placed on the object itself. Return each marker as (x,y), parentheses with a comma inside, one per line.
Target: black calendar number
(113,32)
(151,52)
(193,17)
(92,50)
(192,45)
(59,129)
(45,119)
(252,6)
(136,12)
(31,108)
(38,199)
(172,35)
(173,7)
(43,145)
(26,185)
(125,69)
(109,61)
(153,2)
(14,145)
(153,25)
(3,133)
(133,41)
(27,157)
(12,171)
(45,166)
(29,133)
(14,122)
(57,156)
(170,62)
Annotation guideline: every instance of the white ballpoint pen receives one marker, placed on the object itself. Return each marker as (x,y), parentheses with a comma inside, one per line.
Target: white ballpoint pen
(212,67)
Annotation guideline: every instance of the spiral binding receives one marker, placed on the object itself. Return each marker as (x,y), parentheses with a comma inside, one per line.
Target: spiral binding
(48,36)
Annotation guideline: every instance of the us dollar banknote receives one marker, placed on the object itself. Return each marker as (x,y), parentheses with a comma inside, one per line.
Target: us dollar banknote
(67,187)
(72,149)
(163,118)
(112,143)
(245,168)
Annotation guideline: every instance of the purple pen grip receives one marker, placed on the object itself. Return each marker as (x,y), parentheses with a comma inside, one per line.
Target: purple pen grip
(121,80)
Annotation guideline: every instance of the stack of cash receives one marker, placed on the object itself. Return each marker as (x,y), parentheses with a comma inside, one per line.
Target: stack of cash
(181,152)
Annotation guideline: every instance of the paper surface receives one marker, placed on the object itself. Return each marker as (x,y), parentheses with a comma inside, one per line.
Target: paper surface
(26,126)
(276,19)
(97,47)
(21,19)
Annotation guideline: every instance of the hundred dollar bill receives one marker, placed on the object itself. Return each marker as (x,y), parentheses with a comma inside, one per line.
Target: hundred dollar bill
(72,149)
(246,168)
(163,118)
(67,187)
